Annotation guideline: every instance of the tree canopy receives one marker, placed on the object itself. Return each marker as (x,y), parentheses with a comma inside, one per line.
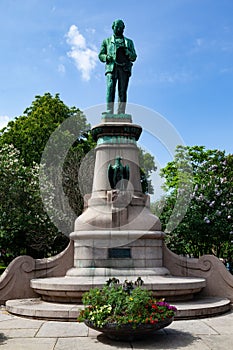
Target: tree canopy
(30,132)
(25,226)
(207,227)
(147,166)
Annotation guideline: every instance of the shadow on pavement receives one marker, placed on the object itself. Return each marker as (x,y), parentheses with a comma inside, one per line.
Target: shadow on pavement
(3,338)
(169,339)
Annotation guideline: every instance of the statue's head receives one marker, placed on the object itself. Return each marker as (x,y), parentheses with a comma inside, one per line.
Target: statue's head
(118,27)
(118,159)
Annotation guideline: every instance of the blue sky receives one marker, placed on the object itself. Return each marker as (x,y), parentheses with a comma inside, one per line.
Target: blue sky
(184,68)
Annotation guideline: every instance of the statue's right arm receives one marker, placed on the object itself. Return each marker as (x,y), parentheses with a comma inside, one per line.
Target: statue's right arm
(103,52)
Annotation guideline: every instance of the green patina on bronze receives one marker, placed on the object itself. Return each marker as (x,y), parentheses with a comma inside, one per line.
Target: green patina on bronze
(116,139)
(116,116)
(107,117)
(118,53)
(117,172)
(130,131)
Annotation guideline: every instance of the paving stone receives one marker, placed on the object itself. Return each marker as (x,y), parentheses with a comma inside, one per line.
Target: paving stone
(18,322)
(93,333)
(221,325)
(195,327)
(62,329)
(101,343)
(5,316)
(20,333)
(218,342)
(172,341)
(28,344)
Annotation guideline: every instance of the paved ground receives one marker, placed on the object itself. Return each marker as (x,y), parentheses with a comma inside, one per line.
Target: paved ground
(18,333)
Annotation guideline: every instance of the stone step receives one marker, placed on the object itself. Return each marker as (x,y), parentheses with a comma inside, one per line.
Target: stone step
(202,307)
(70,289)
(37,308)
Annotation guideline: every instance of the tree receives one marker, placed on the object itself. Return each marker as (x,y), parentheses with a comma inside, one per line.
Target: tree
(24,231)
(207,227)
(147,166)
(30,132)
(24,226)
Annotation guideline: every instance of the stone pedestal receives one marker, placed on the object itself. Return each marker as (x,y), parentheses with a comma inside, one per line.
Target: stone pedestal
(110,253)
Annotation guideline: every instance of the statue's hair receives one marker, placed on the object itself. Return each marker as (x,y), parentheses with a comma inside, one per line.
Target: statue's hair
(118,20)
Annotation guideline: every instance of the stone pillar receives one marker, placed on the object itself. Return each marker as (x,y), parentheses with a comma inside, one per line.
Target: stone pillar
(111,208)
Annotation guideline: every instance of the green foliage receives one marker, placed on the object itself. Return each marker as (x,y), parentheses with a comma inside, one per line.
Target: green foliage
(2,268)
(24,226)
(66,175)
(123,304)
(147,166)
(207,227)
(30,132)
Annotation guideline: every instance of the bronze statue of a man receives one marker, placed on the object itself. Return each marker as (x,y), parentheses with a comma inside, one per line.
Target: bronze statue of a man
(118,53)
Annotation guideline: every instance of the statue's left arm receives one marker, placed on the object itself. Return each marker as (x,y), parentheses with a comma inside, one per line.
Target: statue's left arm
(130,50)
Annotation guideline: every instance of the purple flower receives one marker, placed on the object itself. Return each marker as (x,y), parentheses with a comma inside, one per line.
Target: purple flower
(206,219)
(173,308)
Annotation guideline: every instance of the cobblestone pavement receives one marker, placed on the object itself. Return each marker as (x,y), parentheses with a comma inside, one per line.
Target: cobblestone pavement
(18,333)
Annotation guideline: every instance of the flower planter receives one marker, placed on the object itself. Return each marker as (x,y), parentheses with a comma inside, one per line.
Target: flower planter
(125,312)
(128,332)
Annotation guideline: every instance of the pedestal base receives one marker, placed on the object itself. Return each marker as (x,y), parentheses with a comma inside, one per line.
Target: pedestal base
(70,289)
(118,249)
(99,255)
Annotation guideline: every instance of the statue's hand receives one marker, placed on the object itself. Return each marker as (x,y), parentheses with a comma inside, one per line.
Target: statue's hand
(109,59)
(127,52)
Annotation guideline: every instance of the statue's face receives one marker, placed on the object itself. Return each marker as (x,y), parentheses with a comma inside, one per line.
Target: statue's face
(118,28)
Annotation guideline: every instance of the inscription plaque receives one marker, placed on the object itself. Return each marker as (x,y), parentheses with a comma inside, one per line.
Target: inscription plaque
(119,253)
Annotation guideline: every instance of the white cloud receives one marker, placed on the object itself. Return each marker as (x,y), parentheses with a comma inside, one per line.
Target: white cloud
(4,121)
(61,68)
(84,57)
